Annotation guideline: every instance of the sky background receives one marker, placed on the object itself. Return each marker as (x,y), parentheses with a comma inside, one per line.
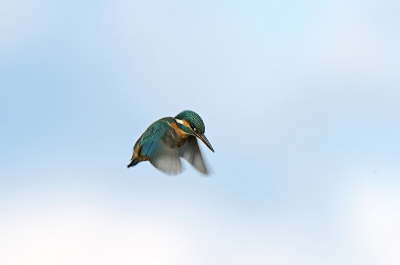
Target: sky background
(300,100)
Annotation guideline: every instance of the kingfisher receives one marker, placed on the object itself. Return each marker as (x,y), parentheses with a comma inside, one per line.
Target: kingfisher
(168,139)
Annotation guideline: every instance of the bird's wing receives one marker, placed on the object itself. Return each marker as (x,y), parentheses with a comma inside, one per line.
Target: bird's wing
(159,145)
(190,151)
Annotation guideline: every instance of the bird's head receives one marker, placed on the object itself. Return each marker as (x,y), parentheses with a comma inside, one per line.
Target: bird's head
(191,123)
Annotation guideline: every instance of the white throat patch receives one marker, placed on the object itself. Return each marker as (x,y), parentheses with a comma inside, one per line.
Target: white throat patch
(179,121)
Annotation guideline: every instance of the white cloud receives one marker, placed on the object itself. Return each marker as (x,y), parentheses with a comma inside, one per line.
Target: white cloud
(363,229)
(371,219)
(82,236)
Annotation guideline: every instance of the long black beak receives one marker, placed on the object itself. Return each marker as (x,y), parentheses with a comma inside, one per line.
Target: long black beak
(203,138)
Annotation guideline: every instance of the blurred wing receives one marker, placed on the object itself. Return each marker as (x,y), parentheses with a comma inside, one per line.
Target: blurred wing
(159,145)
(190,151)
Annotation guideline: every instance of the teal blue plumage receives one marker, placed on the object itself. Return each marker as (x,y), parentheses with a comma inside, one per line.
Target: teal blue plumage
(168,139)
(158,145)
(156,131)
(196,120)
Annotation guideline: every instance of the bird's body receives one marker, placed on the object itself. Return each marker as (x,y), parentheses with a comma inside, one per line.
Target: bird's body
(168,139)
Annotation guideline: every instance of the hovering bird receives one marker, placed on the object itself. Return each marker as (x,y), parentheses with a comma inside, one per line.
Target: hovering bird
(169,139)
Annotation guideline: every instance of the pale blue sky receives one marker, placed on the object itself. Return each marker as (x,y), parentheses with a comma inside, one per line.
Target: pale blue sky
(300,102)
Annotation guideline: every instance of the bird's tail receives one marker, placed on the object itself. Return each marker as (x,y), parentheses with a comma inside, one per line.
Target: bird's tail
(133,163)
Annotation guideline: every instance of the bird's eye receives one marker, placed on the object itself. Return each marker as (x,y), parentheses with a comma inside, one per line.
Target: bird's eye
(192,126)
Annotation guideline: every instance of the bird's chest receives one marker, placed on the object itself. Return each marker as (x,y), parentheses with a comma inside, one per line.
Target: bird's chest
(181,141)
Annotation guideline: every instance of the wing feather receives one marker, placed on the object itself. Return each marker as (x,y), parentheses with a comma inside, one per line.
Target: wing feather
(159,145)
(190,151)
